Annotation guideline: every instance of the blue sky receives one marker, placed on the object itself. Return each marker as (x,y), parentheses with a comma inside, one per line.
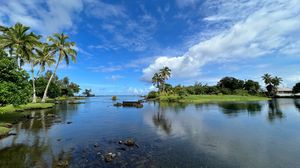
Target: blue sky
(122,43)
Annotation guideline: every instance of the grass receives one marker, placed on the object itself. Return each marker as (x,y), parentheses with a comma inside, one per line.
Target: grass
(4,131)
(11,114)
(210,98)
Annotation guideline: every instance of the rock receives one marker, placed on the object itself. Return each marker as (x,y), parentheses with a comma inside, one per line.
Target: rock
(118,104)
(109,157)
(12,134)
(63,163)
(129,142)
(58,139)
(96,145)
(120,142)
(69,122)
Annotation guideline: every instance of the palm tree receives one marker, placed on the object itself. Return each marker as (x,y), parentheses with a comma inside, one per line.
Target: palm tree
(64,48)
(276,81)
(45,58)
(268,81)
(156,80)
(165,74)
(18,41)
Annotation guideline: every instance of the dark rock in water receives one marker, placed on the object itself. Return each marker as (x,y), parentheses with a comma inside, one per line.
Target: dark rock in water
(118,104)
(109,157)
(12,134)
(123,149)
(69,122)
(129,142)
(58,139)
(120,142)
(63,163)
(96,145)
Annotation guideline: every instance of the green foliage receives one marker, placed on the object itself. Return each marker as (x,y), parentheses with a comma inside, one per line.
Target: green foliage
(241,92)
(296,88)
(271,83)
(152,95)
(252,87)
(14,86)
(231,83)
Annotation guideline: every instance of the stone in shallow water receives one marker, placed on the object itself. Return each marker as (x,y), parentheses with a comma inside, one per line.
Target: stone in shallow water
(129,142)
(109,157)
(96,145)
(69,122)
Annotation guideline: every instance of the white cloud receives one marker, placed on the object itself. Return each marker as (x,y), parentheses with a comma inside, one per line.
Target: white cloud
(46,17)
(264,31)
(103,10)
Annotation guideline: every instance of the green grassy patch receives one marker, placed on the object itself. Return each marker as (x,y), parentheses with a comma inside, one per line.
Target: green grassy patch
(210,98)
(10,113)
(4,131)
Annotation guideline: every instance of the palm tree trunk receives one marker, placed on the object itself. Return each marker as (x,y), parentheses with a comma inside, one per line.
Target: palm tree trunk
(33,84)
(48,84)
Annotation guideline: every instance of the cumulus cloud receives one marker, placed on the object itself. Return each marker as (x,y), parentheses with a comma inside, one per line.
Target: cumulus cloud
(46,17)
(267,30)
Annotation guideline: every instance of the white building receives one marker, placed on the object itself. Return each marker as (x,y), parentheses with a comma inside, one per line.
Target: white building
(284,92)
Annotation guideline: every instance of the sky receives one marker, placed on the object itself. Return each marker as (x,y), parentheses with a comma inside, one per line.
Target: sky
(122,43)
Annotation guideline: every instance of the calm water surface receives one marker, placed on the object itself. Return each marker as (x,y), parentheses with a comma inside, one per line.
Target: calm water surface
(254,134)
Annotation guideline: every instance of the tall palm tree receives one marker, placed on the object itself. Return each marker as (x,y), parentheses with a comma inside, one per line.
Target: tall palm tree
(165,75)
(276,81)
(19,41)
(156,79)
(44,58)
(267,78)
(65,51)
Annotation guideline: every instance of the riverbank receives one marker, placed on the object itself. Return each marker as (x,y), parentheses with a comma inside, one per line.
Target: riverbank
(209,98)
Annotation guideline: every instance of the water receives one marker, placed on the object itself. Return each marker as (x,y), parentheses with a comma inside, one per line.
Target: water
(253,134)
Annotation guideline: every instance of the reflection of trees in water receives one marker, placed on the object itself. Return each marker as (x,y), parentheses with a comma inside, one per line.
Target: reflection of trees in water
(297,104)
(232,109)
(176,107)
(162,122)
(274,110)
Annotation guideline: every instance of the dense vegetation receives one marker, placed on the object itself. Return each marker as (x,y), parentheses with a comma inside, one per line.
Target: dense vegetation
(296,88)
(18,47)
(226,86)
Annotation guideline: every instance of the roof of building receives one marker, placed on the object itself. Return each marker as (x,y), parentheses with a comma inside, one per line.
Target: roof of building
(284,90)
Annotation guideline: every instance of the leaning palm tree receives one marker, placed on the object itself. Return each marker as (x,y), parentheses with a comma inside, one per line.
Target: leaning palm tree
(65,51)
(19,41)
(165,74)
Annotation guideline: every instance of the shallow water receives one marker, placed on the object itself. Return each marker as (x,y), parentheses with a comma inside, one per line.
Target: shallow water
(253,134)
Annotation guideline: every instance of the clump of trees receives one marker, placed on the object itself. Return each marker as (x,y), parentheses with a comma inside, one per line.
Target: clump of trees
(226,86)
(296,88)
(272,84)
(25,47)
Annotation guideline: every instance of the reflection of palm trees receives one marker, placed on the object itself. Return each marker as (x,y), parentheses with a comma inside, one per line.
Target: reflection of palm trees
(160,121)
(233,109)
(297,104)
(274,110)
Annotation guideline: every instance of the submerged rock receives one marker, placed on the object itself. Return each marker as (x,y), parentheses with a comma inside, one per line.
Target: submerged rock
(96,145)
(63,163)
(109,157)
(69,122)
(129,142)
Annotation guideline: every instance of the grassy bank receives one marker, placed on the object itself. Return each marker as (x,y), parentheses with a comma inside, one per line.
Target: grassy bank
(29,106)
(4,131)
(209,98)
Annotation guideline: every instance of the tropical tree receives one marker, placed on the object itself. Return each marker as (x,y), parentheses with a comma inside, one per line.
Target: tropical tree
(44,57)
(19,42)
(272,83)
(296,88)
(65,50)
(87,92)
(156,80)
(165,74)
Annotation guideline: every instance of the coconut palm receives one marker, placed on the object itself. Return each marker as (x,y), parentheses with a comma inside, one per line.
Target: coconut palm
(44,58)
(165,74)
(267,78)
(61,46)
(19,41)
(156,80)
(276,81)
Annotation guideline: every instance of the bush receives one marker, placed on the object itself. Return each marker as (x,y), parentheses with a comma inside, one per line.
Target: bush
(241,92)
(152,95)
(182,93)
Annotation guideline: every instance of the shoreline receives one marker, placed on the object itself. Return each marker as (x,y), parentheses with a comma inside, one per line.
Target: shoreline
(208,98)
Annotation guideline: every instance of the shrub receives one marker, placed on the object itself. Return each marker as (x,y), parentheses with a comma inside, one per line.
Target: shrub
(241,92)
(152,95)
(296,88)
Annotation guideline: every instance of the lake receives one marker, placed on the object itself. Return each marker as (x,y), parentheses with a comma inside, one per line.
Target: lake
(241,134)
